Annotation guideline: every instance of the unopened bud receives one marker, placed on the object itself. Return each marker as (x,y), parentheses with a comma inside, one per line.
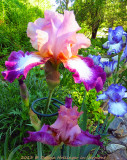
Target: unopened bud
(35,121)
(24,93)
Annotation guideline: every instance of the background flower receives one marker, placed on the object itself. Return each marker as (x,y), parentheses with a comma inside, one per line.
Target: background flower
(65,129)
(115,93)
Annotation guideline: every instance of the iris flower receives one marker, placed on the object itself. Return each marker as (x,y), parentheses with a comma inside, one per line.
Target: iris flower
(56,41)
(115,93)
(108,66)
(116,40)
(64,130)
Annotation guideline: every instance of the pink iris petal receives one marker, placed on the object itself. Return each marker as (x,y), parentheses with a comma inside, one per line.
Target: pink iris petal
(19,64)
(82,42)
(65,129)
(85,71)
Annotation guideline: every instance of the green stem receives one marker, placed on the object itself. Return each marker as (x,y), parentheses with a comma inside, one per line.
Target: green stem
(53,152)
(39,150)
(83,117)
(48,100)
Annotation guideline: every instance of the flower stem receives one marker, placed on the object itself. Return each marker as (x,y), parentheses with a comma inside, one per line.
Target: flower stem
(48,100)
(39,150)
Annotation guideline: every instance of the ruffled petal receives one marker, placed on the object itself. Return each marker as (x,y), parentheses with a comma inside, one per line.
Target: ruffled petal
(19,64)
(115,48)
(33,28)
(82,42)
(66,35)
(114,90)
(86,138)
(41,136)
(117,108)
(85,71)
(118,32)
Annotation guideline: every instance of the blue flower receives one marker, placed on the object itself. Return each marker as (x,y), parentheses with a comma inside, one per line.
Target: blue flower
(124,55)
(109,67)
(96,59)
(115,93)
(116,40)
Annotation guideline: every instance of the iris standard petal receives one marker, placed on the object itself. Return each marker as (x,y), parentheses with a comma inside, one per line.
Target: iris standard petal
(82,42)
(55,36)
(113,89)
(117,108)
(118,32)
(19,64)
(86,138)
(85,71)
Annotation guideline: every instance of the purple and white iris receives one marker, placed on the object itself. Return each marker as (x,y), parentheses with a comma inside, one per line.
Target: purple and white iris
(64,130)
(19,64)
(115,93)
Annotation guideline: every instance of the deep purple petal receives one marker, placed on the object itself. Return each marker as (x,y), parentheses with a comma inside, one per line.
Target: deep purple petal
(86,138)
(68,102)
(41,136)
(19,64)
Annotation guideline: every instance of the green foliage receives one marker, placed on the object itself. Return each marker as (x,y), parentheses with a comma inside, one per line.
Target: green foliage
(95,48)
(95,113)
(115,13)
(16,14)
(91,12)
